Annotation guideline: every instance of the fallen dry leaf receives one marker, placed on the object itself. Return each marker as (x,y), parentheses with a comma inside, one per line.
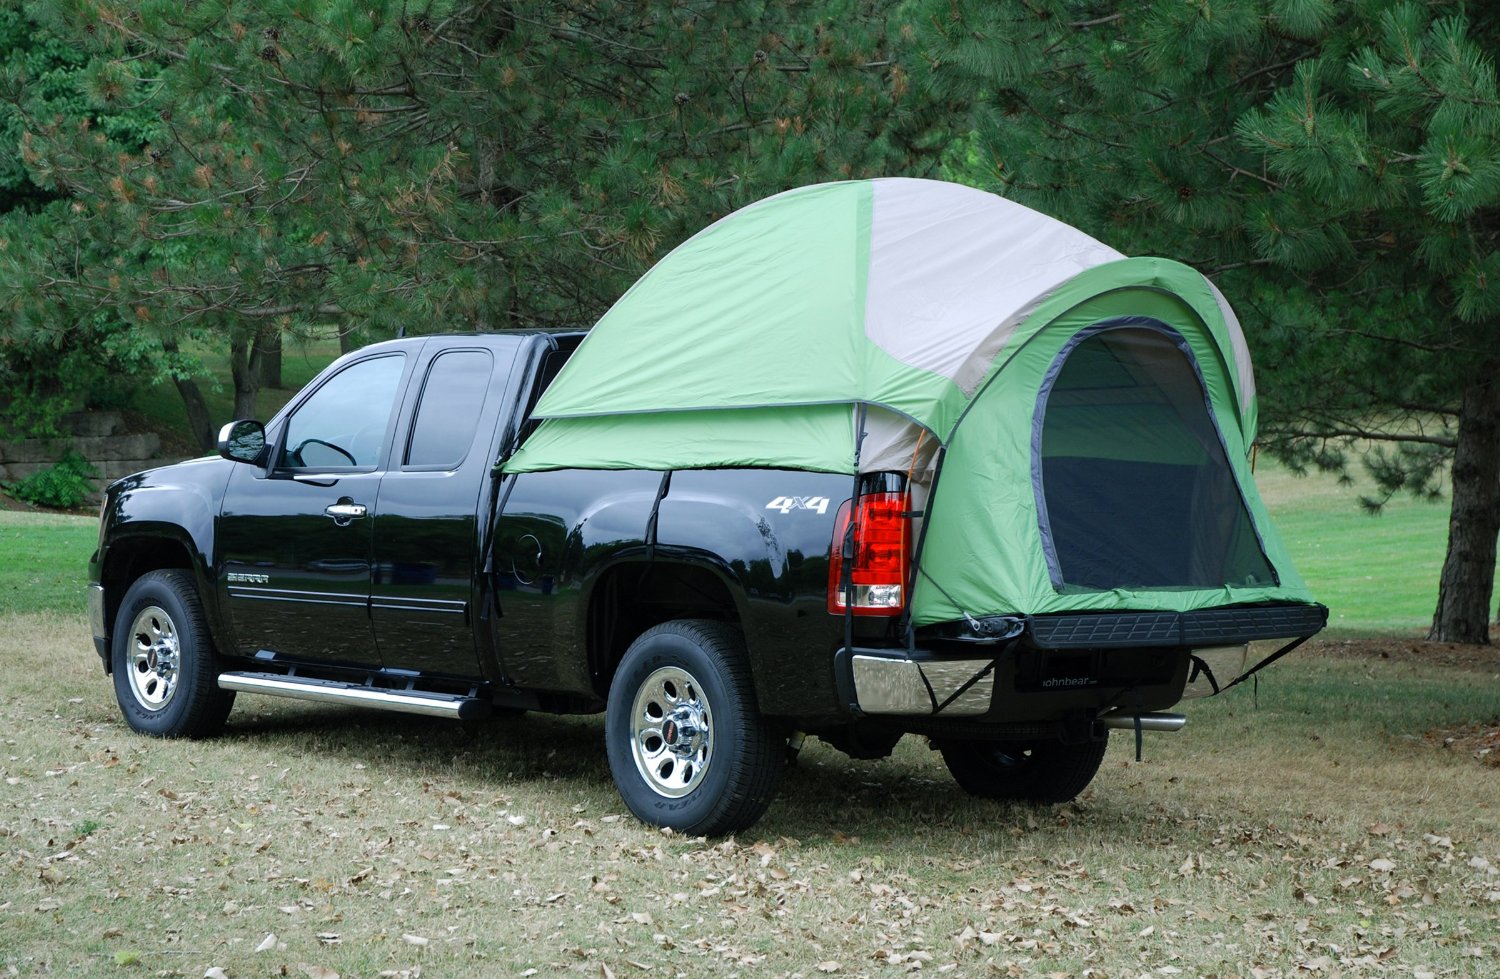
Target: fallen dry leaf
(317,971)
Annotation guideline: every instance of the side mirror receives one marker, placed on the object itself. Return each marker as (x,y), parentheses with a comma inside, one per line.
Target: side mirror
(243,441)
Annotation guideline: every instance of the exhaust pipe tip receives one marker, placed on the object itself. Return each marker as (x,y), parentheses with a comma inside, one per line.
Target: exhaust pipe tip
(1152,721)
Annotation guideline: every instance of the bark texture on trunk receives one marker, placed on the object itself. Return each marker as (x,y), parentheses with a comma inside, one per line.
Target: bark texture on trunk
(200,425)
(1469,570)
(270,363)
(244,367)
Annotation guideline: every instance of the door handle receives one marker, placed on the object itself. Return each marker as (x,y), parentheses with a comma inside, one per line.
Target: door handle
(343,512)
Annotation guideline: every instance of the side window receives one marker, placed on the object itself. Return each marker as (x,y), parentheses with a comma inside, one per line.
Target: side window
(344,424)
(452,399)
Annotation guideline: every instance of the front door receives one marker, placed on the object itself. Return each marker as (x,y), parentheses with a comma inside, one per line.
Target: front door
(295,539)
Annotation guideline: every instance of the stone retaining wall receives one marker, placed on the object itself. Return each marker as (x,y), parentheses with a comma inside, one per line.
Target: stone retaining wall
(95,435)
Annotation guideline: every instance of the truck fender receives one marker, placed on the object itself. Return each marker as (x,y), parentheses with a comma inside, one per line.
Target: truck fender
(180,513)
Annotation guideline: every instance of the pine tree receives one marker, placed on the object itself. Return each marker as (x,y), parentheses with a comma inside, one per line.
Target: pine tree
(384,165)
(54,354)
(1335,166)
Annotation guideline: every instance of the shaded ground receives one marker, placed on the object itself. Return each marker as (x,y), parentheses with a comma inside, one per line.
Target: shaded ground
(1478,739)
(1480,659)
(1482,741)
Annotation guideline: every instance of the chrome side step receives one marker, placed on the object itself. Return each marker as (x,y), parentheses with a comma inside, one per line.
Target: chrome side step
(1149,722)
(335,692)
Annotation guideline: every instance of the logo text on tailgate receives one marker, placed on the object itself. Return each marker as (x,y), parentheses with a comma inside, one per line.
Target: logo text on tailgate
(786,504)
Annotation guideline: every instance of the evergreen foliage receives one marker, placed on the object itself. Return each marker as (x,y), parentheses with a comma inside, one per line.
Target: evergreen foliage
(1335,166)
(54,354)
(385,165)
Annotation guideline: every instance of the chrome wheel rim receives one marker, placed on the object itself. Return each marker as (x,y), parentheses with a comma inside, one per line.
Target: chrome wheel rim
(155,658)
(671,732)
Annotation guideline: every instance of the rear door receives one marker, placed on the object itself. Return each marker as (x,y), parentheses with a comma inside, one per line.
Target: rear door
(295,542)
(426,526)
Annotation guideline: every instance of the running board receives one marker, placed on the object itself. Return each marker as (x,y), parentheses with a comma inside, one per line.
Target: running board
(334,692)
(1120,720)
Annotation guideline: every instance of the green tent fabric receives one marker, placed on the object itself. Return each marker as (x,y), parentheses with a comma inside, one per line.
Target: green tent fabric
(840,326)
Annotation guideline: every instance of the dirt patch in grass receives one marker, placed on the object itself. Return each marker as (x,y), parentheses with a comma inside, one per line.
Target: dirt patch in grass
(1480,741)
(1479,659)
(1477,739)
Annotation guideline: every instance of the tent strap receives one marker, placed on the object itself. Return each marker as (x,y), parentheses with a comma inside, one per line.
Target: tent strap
(1267,661)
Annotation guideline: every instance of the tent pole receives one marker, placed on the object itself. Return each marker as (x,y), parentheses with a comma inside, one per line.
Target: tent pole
(846,576)
(916,555)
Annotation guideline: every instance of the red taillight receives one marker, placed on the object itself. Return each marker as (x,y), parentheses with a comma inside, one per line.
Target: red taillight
(882,556)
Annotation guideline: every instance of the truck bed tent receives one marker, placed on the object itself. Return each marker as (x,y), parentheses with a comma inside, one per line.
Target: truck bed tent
(1086,416)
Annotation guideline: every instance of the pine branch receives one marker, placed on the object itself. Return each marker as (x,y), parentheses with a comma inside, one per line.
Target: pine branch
(1356,431)
(1108,19)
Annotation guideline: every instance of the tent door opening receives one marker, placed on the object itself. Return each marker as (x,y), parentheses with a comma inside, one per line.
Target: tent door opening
(1133,486)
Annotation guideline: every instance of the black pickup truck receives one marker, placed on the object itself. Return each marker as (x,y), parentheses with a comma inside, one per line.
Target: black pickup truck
(365,547)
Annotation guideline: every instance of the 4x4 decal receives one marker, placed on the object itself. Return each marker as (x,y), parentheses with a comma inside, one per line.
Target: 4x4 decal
(786,504)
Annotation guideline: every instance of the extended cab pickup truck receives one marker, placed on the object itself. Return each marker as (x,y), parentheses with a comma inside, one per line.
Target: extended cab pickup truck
(365,547)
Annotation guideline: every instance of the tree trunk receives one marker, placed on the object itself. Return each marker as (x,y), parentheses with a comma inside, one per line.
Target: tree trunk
(200,426)
(270,364)
(348,338)
(245,367)
(1469,570)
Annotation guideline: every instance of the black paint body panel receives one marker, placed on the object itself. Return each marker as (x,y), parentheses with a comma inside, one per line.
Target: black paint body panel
(777,563)
(559,531)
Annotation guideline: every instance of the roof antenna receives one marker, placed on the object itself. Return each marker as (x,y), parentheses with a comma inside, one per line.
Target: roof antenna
(401,331)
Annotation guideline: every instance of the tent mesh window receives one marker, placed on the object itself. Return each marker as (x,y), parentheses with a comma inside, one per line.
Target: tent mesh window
(1135,490)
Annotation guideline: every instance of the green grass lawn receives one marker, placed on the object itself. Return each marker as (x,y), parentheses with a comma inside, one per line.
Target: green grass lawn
(44,561)
(1378,575)
(1315,827)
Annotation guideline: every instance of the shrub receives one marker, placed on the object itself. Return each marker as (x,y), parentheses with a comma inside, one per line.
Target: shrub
(64,486)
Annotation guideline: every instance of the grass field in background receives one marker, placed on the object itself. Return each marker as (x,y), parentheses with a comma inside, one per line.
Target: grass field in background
(301,360)
(44,561)
(1378,575)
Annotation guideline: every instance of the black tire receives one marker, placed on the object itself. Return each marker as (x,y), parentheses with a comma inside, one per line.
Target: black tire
(701,787)
(161,618)
(1041,771)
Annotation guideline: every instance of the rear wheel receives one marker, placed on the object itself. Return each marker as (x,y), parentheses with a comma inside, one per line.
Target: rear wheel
(687,746)
(1039,771)
(163,661)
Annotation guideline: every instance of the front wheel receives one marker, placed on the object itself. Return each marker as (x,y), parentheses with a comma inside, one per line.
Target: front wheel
(164,665)
(687,746)
(1039,771)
